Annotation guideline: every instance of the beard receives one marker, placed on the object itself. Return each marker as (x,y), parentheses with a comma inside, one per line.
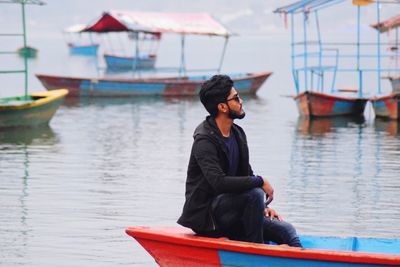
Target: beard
(234,115)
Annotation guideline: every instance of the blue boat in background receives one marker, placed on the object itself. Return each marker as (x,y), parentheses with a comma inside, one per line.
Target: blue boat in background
(117,63)
(89,50)
(178,246)
(80,43)
(135,49)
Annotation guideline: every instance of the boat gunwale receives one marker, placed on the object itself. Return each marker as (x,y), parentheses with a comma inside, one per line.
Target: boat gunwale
(330,96)
(395,95)
(44,98)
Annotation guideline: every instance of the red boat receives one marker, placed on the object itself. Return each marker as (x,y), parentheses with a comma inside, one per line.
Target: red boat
(173,246)
(314,104)
(317,63)
(387,106)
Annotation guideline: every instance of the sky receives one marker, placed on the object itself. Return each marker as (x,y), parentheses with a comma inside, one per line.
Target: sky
(242,17)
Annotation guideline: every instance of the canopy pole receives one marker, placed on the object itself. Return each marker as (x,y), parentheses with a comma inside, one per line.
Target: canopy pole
(91,38)
(320,87)
(294,72)
(25,48)
(182,68)
(305,49)
(396,59)
(378,12)
(136,59)
(360,77)
(223,54)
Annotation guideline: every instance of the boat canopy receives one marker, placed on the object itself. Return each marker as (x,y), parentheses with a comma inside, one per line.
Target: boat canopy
(305,6)
(156,22)
(77,28)
(388,24)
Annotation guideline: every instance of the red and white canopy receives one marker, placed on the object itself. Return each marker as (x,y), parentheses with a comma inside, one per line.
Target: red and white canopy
(156,22)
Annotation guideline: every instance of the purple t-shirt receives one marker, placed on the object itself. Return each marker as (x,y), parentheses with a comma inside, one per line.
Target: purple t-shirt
(233,157)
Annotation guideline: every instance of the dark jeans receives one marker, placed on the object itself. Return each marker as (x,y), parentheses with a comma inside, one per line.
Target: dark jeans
(241,217)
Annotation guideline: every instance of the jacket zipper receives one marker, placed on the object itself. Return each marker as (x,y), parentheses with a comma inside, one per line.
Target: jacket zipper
(212,221)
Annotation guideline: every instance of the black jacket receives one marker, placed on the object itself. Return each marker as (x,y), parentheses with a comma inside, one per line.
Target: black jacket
(206,175)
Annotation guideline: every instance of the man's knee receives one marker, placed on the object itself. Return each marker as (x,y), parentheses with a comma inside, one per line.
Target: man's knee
(289,234)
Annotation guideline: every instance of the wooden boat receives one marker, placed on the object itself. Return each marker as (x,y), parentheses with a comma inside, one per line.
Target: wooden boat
(128,63)
(172,86)
(317,64)
(31,110)
(88,50)
(315,104)
(154,23)
(387,106)
(172,246)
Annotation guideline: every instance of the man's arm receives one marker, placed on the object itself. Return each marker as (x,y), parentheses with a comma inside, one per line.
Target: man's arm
(269,191)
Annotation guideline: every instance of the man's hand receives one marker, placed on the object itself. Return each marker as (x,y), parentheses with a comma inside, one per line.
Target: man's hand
(272,214)
(269,191)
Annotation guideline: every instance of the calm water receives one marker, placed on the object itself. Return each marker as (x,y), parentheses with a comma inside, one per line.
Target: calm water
(68,191)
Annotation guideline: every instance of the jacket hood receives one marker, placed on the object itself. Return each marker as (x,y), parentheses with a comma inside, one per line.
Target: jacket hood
(207,128)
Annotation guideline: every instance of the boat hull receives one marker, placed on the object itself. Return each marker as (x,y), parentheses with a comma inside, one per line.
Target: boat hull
(87,50)
(129,63)
(179,247)
(312,104)
(387,106)
(33,113)
(175,86)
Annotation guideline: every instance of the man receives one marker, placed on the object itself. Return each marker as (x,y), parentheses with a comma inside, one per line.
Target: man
(223,196)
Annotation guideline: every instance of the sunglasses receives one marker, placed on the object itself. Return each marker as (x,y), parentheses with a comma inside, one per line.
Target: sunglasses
(236,98)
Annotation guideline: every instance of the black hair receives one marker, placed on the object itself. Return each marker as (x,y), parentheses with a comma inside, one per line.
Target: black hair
(214,91)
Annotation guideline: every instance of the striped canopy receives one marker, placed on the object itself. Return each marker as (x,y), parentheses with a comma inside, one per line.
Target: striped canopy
(304,6)
(156,22)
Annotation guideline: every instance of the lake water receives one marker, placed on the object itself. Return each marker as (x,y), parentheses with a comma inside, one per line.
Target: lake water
(68,191)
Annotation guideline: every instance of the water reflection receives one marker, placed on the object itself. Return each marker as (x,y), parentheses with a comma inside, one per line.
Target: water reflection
(138,100)
(391,127)
(330,166)
(27,136)
(17,145)
(321,126)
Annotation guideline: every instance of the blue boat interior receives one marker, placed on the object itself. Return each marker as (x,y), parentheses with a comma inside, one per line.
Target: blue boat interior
(371,245)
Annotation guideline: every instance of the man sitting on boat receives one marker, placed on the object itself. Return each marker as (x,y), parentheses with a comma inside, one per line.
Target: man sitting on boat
(223,196)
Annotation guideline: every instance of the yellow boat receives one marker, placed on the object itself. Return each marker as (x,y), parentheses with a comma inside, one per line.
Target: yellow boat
(30,110)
